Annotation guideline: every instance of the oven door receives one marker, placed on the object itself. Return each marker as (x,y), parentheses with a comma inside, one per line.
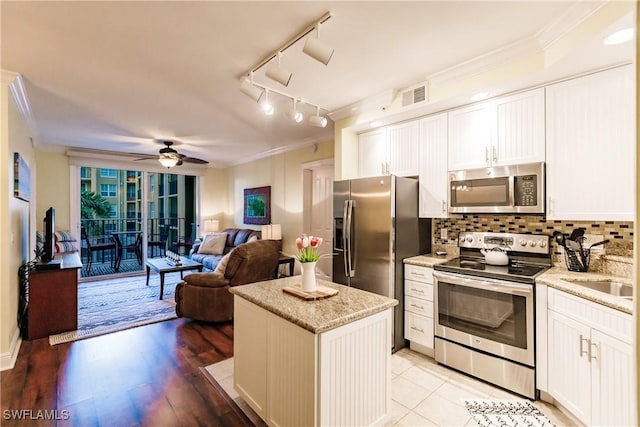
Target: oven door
(493,316)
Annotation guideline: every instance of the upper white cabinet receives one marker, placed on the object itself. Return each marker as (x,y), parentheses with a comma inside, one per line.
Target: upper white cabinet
(372,153)
(591,147)
(433,167)
(390,150)
(503,131)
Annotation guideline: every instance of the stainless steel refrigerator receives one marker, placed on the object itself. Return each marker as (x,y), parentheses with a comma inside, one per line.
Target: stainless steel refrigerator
(376,226)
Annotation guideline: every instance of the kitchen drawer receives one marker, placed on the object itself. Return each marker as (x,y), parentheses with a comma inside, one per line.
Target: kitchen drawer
(418,274)
(418,290)
(418,306)
(418,329)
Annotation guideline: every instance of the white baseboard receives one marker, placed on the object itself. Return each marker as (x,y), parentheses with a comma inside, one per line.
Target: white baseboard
(8,359)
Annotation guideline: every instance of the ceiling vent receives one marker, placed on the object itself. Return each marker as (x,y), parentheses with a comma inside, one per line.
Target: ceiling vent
(414,95)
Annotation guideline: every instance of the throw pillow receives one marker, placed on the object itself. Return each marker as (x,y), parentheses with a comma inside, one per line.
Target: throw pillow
(62,247)
(222,265)
(252,239)
(64,236)
(213,244)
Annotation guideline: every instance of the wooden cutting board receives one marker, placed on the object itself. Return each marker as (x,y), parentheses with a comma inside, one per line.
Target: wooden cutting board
(321,292)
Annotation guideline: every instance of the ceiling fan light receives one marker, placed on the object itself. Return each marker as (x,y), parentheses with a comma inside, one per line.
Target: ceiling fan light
(317,50)
(168,162)
(250,90)
(318,121)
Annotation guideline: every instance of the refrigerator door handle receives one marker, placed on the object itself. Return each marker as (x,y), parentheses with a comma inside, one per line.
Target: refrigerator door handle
(345,237)
(349,271)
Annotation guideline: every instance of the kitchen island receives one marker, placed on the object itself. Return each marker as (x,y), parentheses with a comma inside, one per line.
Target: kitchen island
(322,362)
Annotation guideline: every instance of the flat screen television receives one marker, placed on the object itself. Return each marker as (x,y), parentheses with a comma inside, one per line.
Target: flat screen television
(49,235)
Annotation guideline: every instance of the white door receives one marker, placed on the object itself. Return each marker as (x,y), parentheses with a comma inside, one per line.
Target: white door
(433,167)
(403,145)
(321,216)
(470,136)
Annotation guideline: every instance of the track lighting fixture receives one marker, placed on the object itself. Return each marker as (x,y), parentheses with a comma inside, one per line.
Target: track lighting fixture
(277,73)
(294,114)
(316,49)
(318,120)
(247,87)
(267,107)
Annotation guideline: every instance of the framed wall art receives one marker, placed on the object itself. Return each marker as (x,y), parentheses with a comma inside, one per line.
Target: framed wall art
(257,205)
(21,178)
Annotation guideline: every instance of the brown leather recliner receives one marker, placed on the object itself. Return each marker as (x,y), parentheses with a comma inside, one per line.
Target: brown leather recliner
(206,296)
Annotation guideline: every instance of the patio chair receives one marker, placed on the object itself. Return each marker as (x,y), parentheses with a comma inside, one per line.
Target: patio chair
(158,242)
(107,245)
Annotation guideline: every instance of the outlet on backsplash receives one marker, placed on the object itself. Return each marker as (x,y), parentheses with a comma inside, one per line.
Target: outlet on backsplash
(443,234)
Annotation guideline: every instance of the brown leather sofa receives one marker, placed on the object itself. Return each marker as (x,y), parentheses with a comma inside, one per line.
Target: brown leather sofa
(235,237)
(206,296)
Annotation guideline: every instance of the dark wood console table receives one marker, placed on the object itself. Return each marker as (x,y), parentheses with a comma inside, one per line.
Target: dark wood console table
(53,298)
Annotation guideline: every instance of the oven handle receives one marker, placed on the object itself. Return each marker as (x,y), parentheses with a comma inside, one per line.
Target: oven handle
(487,284)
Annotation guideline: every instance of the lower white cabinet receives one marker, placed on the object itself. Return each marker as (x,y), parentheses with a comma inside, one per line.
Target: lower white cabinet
(292,377)
(590,360)
(418,308)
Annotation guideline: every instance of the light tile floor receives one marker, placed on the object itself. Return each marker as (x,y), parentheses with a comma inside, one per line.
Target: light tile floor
(423,393)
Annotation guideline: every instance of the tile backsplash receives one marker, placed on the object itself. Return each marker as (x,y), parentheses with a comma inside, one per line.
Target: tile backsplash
(619,232)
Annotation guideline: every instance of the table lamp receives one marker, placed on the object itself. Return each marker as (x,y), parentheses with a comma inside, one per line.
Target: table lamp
(211,226)
(271,232)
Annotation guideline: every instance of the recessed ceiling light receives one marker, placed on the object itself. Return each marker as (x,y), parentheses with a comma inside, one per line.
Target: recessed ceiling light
(619,37)
(480,96)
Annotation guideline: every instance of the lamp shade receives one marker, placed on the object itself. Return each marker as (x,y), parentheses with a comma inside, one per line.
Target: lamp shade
(211,225)
(168,162)
(317,50)
(271,232)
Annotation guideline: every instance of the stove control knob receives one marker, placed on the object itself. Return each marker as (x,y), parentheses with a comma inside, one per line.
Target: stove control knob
(523,243)
(469,238)
(532,243)
(543,244)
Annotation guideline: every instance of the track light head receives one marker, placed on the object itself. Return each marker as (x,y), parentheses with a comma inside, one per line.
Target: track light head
(294,114)
(250,90)
(318,121)
(267,106)
(277,73)
(316,49)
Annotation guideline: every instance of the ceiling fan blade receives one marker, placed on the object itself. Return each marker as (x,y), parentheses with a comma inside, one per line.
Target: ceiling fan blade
(194,160)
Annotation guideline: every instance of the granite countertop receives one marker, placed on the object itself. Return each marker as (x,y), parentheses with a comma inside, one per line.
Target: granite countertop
(348,305)
(428,260)
(556,277)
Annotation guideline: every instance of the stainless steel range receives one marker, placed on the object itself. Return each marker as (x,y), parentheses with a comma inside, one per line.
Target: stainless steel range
(484,314)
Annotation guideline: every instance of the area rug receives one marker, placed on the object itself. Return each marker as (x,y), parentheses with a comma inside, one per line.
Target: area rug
(220,375)
(111,305)
(508,413)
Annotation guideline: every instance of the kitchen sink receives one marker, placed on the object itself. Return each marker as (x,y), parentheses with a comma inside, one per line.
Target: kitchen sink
(610,287)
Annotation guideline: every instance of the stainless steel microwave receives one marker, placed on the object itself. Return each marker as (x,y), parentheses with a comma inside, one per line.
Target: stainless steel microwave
(502,189)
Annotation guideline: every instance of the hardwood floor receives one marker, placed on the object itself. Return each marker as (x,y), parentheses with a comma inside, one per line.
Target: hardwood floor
(146,376)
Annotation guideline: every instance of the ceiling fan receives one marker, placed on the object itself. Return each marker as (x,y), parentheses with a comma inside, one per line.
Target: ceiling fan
(169,157)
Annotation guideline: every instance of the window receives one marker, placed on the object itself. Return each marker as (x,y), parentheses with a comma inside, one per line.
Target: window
(108,173)
(108,190)
(85,186)
(152,209)
(114,212)
(152,183)
(85,172)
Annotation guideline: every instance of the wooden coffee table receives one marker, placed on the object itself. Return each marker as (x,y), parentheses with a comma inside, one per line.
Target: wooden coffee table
(163,266)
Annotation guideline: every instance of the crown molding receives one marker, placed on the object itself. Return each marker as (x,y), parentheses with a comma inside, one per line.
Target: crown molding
(18,92)
(379,101)
(567,21)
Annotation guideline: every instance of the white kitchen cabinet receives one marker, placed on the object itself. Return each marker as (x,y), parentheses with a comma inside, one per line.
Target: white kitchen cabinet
(392,150)
(372,153)
(434,194)
(403,146)
(291,376)
(590,360)
(591,147)
(503,131)
(418,308)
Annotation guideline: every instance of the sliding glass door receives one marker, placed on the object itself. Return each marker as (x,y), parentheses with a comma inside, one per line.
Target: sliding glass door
(129,215)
